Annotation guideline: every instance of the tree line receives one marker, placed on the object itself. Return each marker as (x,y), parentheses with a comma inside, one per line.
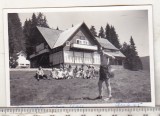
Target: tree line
(132,60)
(23,38)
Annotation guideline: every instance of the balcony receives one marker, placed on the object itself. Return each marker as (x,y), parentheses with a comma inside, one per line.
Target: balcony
(39,53)
(86,47)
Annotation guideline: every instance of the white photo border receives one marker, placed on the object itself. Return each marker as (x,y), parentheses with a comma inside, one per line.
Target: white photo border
(75,9)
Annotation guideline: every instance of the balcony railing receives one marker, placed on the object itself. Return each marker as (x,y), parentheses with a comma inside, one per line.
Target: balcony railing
(88,47)
(39,53)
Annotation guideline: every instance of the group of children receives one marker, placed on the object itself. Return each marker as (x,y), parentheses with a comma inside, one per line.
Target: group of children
(67,72)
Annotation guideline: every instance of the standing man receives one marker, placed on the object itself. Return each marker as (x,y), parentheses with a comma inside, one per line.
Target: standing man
(105,77)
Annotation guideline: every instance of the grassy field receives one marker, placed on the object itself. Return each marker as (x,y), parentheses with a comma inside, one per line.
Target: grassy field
(127,86)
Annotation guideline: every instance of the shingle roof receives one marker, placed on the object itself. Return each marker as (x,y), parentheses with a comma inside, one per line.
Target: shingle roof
(64,36)
(56,38)
(50,35)
(115,54)
(106,44)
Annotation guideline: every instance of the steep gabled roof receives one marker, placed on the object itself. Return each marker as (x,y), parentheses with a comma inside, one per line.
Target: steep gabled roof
(50,35)
(106,44)
(64,36)
(56,38)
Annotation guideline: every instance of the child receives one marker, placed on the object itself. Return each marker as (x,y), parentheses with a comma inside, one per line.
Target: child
(70,72)
(53,73)
(65,73)
(60,74)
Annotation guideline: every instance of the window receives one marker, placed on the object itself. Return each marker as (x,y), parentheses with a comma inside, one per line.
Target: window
(96,57)
(68,57)
(77,41)
(78,57)
(88,58)
(82,42)
(86,42)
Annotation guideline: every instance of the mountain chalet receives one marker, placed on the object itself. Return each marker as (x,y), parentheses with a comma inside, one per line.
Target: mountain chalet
(74,46)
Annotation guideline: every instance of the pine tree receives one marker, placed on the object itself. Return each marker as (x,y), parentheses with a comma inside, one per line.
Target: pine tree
(27,32)
(34,20)
(136,61)
(101,33)
(126,51)
(133,47)
(108,32)
(41,20)
(16,36)
(132,60)
(30,31)
(112,36)
(93,31)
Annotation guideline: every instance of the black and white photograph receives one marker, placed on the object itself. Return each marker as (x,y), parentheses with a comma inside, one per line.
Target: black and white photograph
(84,56)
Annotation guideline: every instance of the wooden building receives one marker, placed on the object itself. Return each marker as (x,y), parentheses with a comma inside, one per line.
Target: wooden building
(74,46)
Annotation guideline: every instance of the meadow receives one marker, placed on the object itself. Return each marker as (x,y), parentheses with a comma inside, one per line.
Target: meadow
(127,87)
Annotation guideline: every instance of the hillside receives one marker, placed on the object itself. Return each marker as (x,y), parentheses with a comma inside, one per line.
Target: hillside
(127,87)
(145,62)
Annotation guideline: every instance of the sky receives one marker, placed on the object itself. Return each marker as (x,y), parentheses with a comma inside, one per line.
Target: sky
(127,23)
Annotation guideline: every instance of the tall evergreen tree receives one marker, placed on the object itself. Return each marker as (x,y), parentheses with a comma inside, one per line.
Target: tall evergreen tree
(16,37)
(34,20)
(126,51)
(41,20)
(108,32)
(93,31)
(27,28)
(112,36)
(30,31)
(132,60)
(133,47)
(101,33)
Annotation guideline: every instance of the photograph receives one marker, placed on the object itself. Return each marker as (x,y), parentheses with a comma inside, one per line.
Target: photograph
(79,56)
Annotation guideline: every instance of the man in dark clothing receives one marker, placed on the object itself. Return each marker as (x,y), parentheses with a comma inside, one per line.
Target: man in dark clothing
(104,77)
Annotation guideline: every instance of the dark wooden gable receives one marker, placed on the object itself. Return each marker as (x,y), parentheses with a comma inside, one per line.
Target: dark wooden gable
(82,34)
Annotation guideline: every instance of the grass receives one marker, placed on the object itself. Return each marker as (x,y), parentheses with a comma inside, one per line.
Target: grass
(127,87)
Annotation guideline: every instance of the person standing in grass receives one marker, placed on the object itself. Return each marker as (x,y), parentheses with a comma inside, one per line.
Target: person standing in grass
(105,76)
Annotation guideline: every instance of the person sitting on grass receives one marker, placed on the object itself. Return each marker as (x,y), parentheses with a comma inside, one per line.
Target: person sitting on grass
(91,72)
(53,73)
(75,70)
(40,74)
(65,73)
(78,74)
(60,73)
(105,76)
(70,72)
